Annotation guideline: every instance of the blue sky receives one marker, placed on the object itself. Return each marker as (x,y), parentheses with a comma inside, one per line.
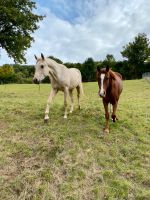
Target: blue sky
(64,10)
(74,30)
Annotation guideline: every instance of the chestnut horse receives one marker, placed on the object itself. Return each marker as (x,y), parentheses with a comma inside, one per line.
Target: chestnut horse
(110,87)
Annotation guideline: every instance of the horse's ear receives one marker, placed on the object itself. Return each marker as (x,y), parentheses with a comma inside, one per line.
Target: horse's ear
(42,56)
(35,57)
(98,68)
(107,68)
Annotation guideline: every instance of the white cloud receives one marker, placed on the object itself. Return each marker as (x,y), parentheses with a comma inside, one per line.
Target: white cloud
(100,28)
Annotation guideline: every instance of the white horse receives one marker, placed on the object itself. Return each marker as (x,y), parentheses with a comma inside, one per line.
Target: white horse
(61,78)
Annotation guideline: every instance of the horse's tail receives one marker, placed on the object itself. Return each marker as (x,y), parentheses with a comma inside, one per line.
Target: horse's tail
(80,83)
(81,88)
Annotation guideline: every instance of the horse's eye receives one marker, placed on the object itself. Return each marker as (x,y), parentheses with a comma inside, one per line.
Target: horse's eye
(42,66)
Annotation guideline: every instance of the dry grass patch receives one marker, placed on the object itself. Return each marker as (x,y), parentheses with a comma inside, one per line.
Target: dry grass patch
(72,159)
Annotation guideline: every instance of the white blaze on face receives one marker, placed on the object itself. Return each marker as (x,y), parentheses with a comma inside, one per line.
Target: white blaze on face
(102,85)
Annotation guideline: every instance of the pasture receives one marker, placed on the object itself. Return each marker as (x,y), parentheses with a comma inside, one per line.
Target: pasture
(71,159)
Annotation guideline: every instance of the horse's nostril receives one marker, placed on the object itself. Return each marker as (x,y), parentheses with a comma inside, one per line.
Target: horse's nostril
(35,81)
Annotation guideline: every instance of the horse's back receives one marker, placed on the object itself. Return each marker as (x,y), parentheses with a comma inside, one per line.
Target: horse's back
(75,72)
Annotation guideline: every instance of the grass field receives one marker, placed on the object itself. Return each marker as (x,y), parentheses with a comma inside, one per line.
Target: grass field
(72,159)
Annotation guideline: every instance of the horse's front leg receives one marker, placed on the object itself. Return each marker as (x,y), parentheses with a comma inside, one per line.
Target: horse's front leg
(50,98)
(106,129)
(113,116)
(65,101)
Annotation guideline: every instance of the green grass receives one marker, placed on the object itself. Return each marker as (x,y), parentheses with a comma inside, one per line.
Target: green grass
(72,159)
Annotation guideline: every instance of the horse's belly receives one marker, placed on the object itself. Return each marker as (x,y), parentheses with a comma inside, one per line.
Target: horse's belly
(73,84)
(57,86)
(75,79)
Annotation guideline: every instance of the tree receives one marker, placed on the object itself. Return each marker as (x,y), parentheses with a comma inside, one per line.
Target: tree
(109,60)
(88,70)
(6,74)
(136,53)
(17,22)
(147,60)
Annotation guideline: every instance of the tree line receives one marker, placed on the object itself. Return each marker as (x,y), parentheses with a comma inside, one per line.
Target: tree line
(132,67)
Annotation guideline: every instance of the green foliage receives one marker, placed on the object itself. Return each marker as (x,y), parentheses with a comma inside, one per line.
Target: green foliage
(147,60)
(6,74)
(24,73)
(123,68)
(136,53)
(88,70)
(17,23)
(109,60)
(74,65)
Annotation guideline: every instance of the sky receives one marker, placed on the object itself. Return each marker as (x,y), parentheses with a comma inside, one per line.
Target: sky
(74,30)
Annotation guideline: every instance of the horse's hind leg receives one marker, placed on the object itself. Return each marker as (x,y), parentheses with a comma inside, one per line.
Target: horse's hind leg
(65,101)
(113,116)
(78,96)
(71,98)
(50,98)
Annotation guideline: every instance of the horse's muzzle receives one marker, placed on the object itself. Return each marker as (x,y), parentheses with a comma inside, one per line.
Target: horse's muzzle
(35,81)
(102,94)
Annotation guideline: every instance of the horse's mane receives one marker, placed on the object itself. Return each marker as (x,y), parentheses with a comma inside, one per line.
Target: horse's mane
(48,60)
(54,64)
(51,61)
(114,75)
(118,74)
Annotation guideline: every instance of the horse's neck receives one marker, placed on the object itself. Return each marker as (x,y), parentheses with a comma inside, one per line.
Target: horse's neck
(52,64)
(52,70)
(110,85)
(52,76)
(57,71)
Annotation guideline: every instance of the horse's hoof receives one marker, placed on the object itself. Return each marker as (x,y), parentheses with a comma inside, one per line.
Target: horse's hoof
(71,111)
(45,120)
(114,118)
(106,130)
(65,117)
(79,107)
